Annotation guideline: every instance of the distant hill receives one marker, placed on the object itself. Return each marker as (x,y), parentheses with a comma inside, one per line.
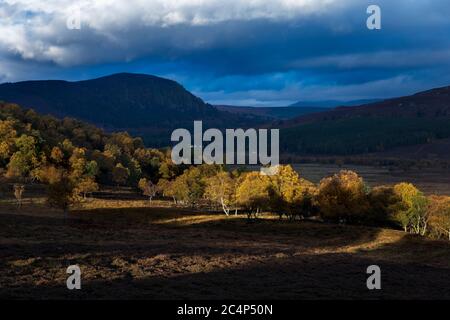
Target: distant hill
(333,103)
(142,104)
(418,119)
(270,113)
(117,100)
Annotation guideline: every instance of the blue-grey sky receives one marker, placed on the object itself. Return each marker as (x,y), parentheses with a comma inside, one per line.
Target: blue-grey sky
(243,52)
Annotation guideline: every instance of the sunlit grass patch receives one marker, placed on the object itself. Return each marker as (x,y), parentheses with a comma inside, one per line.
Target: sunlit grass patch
(197,219)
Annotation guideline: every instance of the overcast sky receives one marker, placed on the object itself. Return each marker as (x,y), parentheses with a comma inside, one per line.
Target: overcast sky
(243,52)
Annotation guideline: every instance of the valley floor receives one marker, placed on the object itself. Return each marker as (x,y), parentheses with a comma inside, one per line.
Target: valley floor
(127,249)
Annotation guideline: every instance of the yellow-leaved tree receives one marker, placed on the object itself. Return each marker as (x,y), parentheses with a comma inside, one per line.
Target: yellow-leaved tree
(221,189)
(289,194)
(439,212)
(411,212)
(252,193)
(343,197)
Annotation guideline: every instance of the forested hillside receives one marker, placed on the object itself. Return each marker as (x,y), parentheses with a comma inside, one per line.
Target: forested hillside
(43,148)
(417,119)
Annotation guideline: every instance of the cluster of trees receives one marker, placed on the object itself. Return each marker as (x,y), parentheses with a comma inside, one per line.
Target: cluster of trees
(73,157)
(341,198)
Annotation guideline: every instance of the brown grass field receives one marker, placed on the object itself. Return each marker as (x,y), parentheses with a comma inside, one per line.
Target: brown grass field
(129,250)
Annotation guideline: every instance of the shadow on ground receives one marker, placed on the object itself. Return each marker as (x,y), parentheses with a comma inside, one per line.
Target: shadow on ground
(150,254)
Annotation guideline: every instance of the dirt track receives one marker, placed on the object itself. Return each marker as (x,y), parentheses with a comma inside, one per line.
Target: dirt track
(161,254)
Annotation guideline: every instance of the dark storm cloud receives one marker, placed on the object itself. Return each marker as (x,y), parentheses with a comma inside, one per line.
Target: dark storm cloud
(250,55)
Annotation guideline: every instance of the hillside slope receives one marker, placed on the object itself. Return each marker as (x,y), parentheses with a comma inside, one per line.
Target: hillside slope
(412,120)
(142,104)
(118,100)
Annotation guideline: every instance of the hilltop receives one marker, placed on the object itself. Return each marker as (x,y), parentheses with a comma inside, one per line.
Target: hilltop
(141,104)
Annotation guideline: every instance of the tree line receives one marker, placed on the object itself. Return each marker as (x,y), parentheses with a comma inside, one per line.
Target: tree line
(341,198)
